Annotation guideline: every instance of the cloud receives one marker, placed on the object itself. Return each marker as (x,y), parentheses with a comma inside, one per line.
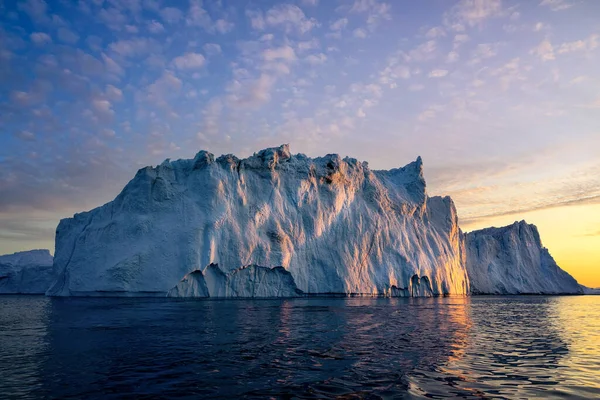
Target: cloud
(578,79)
(189,61)
(134,47)
(525,209)
(223,26)
(102,110)
(308,45)
(556,5)
(484,51)
(452,57)
(460,39)
(473,12)
(423,52)
(212,49)
(390,74)
(171,15)
(113,18)
(40,38)
(251,93)
(425,115)
(257,20)
(544,51)
(375,10)
(359,33)
(591,234)
(435,32)
(316,59)
(113,93)
(280,53)
(509,73)
(290,17)
(112,67)
(339,24)
(27,228)
(35,9)
(438,73)
(67,36)
(588,44)
(162,89)
(155,27)
(25,135)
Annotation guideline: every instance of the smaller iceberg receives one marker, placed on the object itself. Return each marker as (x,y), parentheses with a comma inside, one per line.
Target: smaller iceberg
(26,272)
(512,260)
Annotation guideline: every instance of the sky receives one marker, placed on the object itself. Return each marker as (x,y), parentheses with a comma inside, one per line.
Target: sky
(500,98)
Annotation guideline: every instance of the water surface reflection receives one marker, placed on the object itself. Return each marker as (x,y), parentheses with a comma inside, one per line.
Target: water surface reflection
(308,348)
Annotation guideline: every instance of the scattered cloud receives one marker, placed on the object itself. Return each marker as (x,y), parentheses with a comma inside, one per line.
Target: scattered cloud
(339,24)
(423,52)
(290,17)
(40,38)
(316,59)
(556,5)
(189,61)
(359,33)
(435,32)
(376,11)
(545,51)
(588,44)
(280,53)
(438,73)
(155,27)
(67,36)
(212,49)
(171,15)
(452,57)
(473,13)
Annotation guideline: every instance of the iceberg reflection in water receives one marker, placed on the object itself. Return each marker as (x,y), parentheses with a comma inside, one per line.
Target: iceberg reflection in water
(312,348)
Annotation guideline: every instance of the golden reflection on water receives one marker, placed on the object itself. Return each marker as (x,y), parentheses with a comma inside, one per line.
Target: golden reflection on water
(522,346)
(577,319)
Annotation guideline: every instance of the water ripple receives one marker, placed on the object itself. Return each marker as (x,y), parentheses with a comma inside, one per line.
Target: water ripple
(485,347)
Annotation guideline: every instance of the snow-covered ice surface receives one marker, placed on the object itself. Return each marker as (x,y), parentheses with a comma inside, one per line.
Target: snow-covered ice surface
(512,260)
(335,225)
(29,272)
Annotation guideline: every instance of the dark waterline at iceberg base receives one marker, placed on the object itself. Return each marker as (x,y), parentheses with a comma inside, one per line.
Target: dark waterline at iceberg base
(311,348)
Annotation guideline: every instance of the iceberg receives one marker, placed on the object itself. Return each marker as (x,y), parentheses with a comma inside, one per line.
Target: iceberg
(591,291)
(512,260)
(276,224)
(26,272)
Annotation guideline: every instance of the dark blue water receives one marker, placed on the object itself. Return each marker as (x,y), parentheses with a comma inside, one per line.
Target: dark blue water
(514,347)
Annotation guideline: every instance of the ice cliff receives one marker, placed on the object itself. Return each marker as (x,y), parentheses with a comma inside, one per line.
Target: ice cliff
(512,260)
(248,281)
(326,225)
(29,272)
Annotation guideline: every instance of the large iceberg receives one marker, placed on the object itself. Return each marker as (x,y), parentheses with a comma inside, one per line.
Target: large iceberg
(512,260)
(28,272)
(326,225)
